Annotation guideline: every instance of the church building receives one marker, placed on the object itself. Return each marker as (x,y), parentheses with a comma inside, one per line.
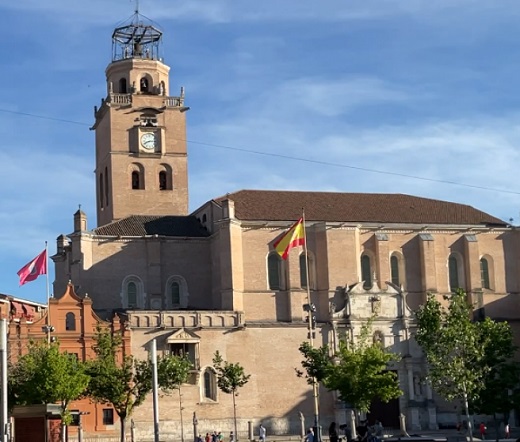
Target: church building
(209,280)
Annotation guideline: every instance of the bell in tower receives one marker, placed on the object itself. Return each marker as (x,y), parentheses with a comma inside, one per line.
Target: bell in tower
(141,156)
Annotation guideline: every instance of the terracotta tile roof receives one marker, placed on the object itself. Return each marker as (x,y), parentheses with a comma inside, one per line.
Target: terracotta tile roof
(140,225)
(353,207)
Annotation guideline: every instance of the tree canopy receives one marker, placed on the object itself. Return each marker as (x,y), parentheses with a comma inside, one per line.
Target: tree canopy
(468,360)
(230,377)
(45,375)
(358,371)
(122,381)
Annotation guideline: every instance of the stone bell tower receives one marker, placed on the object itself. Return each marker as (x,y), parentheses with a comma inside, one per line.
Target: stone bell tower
(141,157)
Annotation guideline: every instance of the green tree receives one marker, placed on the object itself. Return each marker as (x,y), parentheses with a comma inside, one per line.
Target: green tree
(501,383)
(173,371)
(459,350)
(358,371)
(230,377)
(121,381)
(45,375)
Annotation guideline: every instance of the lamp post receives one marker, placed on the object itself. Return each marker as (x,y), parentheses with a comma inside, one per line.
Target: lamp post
(311,321)
(48,329)
(80,425)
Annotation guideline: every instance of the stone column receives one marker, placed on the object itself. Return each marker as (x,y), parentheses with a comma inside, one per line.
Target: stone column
(249,431)
(402,425)
(353,433)
(302,425)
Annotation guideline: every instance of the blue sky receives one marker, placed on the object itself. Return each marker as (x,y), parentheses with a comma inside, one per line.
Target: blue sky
(412,87)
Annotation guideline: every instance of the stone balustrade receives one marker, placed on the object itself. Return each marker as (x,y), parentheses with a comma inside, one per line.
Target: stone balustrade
(185,319)
(173,101)
(126,99)
(120,98)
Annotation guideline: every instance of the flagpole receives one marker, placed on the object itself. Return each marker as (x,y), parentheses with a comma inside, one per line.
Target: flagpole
(48,328)
(311,328)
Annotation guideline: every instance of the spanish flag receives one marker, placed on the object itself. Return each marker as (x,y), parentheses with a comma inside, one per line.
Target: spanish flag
(294,237)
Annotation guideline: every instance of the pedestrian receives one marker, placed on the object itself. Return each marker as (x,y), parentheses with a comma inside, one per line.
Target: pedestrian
(220,436)
(309,437)
(482,429)
(199,438)
(506,430)
(262,433)
(379,430)
(333,433)
(231,437)
(207,438)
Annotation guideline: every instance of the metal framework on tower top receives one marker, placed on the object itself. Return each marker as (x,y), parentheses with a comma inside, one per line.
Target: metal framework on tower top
(136,38)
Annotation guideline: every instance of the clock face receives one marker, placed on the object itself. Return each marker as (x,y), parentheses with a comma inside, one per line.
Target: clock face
(149,140)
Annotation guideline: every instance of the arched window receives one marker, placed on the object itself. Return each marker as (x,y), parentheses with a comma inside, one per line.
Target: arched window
(455,272)
(136,182)
(70,321)
(176,293)
(122,86)
(131,293)
(397,269)
(144,85)
(484,273)
(101,191)
(165,177)
(274,271)
(210,385)
(163,181)
(394,270)
(136,176)
(366,272)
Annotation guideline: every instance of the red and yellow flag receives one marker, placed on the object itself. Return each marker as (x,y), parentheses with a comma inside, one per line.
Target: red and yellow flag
(294,237)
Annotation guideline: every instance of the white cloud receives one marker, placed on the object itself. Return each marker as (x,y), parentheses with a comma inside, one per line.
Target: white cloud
(222,11)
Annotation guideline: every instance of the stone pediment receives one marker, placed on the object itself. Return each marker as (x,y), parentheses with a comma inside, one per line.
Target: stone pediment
(183,335)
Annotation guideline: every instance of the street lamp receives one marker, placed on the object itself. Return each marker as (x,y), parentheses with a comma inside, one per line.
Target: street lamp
(48,329)
(310,308)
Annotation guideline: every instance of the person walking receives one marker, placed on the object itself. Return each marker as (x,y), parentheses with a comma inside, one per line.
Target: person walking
(482,429)
(309,437)
(333,433)
(262,433)
(506,431)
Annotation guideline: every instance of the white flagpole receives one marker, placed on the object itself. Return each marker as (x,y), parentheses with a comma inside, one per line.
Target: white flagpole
(155,391)
(311,328)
